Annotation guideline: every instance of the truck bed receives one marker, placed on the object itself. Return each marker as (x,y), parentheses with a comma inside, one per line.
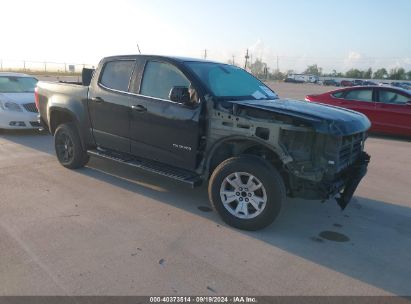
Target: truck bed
(58,94)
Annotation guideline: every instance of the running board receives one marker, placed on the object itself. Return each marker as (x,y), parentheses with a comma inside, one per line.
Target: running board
(181,175)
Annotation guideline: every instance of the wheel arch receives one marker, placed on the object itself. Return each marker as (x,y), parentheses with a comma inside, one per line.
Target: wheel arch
(238,145)
(58,116)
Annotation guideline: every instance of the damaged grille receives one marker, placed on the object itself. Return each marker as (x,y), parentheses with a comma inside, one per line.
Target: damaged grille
(350,150)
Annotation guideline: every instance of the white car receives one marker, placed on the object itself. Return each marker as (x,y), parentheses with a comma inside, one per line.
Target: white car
(17,107)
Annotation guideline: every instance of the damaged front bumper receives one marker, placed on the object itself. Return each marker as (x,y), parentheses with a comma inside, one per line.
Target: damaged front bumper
(353,178)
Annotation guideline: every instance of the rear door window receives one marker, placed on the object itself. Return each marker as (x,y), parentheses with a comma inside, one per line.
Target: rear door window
(116,74)
(360,95)
(392,97)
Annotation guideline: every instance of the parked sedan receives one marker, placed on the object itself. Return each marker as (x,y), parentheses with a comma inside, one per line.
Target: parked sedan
(404,85)
(358,82)
(388,108)
(17,107)
(347,83)
(369,83)
(330,82)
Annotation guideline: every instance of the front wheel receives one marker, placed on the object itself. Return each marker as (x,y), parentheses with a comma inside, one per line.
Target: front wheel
(247,192)
(69,150)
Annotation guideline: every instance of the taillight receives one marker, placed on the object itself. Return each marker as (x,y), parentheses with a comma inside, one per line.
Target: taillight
(36,98)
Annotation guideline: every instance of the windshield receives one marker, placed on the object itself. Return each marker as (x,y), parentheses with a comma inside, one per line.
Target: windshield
(16,84)
(230,82)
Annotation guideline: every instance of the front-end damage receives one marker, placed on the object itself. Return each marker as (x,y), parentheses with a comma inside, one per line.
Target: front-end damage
(314,164)
(331,165)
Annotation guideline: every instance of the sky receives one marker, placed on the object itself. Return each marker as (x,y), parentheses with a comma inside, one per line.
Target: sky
(334,34)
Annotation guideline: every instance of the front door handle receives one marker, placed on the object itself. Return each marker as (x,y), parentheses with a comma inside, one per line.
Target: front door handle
(139,108)
(97,99)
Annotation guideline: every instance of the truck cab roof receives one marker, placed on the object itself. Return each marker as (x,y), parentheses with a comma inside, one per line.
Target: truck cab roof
(164,57)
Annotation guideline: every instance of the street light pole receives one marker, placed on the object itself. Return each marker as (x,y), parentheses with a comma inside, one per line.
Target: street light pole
(277,64)
(246,60)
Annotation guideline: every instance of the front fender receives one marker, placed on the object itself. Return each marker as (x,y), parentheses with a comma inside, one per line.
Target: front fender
(210,152)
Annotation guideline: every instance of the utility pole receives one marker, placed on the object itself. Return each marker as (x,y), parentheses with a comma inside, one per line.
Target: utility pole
(278,69)
(233,60)
(45,67)
(1,64)
(24,65)
(205,53)
(246,60)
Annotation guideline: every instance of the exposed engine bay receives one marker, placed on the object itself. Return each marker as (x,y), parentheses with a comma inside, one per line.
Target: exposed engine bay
(315,164)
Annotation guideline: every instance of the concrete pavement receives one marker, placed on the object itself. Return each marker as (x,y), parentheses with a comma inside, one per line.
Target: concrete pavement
(111,230)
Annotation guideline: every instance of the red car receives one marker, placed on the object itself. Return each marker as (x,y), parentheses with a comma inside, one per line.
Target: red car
(388,109)
(347,83)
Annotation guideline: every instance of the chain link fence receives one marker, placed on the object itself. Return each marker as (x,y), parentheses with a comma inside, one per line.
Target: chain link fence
(43,68)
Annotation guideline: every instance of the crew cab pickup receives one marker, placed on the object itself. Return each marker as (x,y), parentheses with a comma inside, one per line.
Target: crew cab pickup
(194,121)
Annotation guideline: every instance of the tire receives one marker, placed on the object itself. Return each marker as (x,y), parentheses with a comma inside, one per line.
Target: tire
(69,150)
(231,193)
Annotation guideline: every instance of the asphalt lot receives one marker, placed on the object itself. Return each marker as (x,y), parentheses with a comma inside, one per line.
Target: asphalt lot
(111,230)
(298,90)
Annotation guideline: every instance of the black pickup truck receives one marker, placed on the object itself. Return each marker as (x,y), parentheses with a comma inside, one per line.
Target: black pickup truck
(194,121)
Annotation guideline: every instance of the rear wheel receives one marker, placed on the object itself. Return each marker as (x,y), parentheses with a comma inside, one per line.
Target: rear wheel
(247,192)
(69,150)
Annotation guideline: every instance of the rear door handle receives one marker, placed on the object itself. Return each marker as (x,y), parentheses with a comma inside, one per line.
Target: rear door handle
(97,99)
(139,108)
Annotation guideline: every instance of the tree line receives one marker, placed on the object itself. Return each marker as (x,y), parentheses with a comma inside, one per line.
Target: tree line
(392,74)
(261,70)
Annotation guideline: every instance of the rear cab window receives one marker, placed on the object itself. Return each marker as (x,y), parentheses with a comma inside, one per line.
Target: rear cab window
(116,74)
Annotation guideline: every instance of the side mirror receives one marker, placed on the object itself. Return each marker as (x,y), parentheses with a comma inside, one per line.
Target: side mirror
(179,94)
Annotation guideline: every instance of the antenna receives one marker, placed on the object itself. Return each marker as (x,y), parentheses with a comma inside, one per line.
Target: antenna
(138,49)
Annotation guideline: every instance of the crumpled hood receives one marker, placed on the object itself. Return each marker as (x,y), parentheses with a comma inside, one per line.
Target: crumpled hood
(20,98)
(324,118)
